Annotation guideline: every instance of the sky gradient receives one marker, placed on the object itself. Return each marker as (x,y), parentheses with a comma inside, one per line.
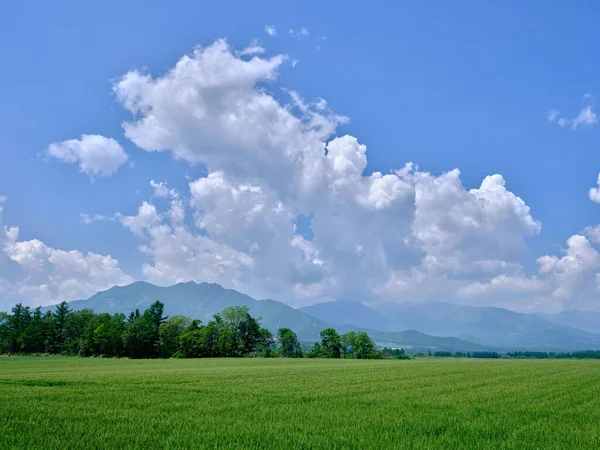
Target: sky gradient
(301,151)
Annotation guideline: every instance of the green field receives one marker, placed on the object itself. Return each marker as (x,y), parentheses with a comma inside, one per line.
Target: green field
(260,403)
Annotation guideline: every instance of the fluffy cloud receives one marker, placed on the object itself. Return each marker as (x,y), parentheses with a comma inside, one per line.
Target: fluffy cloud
(594,193)
(569,281)
(407,234)
(271,30)
(33,273)
(162,191)
(95,154)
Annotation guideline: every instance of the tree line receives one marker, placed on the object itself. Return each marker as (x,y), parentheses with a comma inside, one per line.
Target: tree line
(150,334)
(584,354)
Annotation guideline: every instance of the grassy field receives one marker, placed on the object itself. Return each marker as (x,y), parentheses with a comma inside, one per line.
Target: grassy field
(53,403)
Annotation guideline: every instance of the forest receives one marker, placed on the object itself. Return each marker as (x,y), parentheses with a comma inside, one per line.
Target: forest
(150,334)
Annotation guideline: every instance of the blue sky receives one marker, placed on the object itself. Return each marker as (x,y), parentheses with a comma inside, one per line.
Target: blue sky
(448,85)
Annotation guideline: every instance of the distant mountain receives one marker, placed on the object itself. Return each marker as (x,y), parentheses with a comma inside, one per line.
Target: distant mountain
(201,301)
(493,327)
(349,313)
(584,320)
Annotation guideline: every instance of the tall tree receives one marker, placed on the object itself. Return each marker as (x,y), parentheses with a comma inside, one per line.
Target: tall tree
(331,345)
(169,333)
(142,335)
(288,343)
(263,347)
(60,321)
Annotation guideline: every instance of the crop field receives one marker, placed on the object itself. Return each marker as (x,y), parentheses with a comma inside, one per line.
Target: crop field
(53,403)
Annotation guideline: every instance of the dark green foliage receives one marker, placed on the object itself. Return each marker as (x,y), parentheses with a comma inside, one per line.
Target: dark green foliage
(142,334)
(358,345)
(264,347)
(231,333)
(316,351)
(394,353)
(169,333)
(331,344)
(289,347)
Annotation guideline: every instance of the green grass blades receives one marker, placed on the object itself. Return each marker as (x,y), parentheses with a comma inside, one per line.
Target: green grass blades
(56,403)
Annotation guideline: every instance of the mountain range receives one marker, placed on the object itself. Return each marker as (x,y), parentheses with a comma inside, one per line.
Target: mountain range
(489,326)
(413,326)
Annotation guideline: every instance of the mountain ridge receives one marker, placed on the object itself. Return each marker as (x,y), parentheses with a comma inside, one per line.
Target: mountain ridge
(203,300)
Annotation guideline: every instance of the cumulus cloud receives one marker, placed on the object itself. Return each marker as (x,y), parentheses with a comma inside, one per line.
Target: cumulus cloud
(36,274)
(95,154)
(403,235)
(271,30)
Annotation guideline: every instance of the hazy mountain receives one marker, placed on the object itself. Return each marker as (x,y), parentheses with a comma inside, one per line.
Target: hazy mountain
(349,313)
(489,326)
(584,320)
(201,301)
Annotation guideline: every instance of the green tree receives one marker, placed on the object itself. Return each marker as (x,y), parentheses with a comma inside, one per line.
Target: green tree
(75,329)
(241,331)
(107,335)
(17,325)
(35,332)
(56,328)
(4,332)
(188,345)
(169,333)
(316,351)
(289,346)
(358,345)
(141,336)
(348,342)
(331,345)
(263,348)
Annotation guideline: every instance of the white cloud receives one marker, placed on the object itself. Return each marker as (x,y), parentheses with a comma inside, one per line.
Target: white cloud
(594,193)
(570,281)
(403,235)
(35,274)
(302,32)
(95,154)
(87,219)
(552,115)
(593,233)
(271,30)
(586,117)
(162,191)
(253,49)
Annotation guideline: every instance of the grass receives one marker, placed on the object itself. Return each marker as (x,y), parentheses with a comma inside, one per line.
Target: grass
(53,403)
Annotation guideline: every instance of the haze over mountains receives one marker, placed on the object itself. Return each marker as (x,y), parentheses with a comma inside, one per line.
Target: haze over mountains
(416,327)
(494,327)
